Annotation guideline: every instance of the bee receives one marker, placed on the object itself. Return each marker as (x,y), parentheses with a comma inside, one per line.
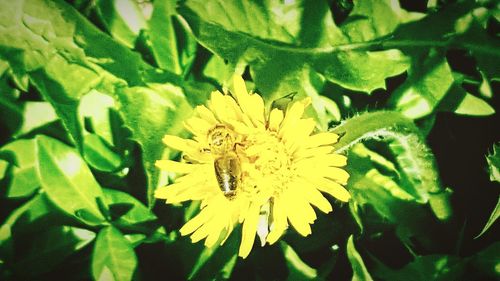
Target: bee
(226,163)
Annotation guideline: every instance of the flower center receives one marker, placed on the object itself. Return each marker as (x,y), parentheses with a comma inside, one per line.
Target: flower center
(271,161)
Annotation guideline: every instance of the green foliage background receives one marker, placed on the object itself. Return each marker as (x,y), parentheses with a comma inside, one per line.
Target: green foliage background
(88,89)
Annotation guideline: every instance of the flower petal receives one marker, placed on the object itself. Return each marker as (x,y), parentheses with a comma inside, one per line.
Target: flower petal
(204,113)
(218,225)
(178,143)
(194,223)
(279,224)
(198,126)
(275,119)
(251,104)
(311,152)
(249,230)
(333,160)
(296,216)
(334,173)
(294,113)
(295,136)
(322,139)
(330,187)
(315,197)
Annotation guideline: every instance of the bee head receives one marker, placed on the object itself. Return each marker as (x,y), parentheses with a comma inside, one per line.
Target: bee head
(220,139)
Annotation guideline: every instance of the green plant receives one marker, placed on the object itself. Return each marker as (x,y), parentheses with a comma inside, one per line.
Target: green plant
(89,89)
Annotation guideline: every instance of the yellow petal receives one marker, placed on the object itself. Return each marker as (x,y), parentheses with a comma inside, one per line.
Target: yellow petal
(216,229)
(315,197)
(202,232)
(296,216)
(251,104)
(255,107)
(197,193)
(249,230)
(194,223)
(240,89)
(302,153)
(163,192)
(229,228)
(275,119)
(337,174)
(279,224)
(198,126)
(296,136)
(234,108)
(225,108)
(334,160)
(295,112)
(204,113)
(178,143)
(217,105)
(241,128)
(322,139)
(331,187)
(190,184)
(303,207)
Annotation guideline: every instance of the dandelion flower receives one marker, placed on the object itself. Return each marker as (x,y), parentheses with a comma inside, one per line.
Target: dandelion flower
(242,162)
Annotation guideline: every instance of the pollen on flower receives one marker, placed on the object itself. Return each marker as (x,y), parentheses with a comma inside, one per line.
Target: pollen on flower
(242,163)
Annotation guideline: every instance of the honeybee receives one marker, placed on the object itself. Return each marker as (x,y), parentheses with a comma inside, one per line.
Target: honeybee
(226,162)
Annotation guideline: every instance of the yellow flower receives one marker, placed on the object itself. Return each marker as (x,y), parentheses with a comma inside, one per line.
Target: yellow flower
(242,162)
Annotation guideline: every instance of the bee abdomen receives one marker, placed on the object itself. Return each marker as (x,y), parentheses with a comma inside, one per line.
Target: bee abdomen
(227,171)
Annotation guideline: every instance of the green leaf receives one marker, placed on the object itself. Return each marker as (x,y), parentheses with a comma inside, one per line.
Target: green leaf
(493,160)
(123,19)
(4,165)
(492,219)
(429,80)
(103,145)
(173,47)
(24,180)
(488,260)
(482,45)
(454,26)
(297,268)
(11,116)
(285,48)
(216,68)
(113,257)
(94,109)
(28,218)
(36,114)
(64,55)
(49,247)
(370,20)
(161,107)
(371,125)
(218,261)
(412,162)
(358,265)
(68,181)
(432,267)
(416,178)
(371,187)
(368,185)
(99,154)
(474,106)
(129,213)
